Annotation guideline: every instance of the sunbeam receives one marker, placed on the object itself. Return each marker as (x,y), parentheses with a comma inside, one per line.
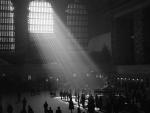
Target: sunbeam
(61,51)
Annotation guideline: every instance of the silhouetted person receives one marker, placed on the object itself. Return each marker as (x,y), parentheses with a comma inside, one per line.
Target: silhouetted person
(100,103)
(58,110)
(71,105)
(83,100)
(76,96)
(23,110)
(78,110)
(78,99)
(45,107)
(30,110)
(18,97)
(61,94)
(24,102)
(116,105)
(50,110)
(108,106)
(9,109)
(96,100)
(1,109)
(91,104)
(68,95)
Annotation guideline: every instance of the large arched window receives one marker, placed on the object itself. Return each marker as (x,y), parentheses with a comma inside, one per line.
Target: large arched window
(7,40)
(40,17)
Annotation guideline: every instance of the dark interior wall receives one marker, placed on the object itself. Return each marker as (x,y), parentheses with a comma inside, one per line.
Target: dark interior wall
(99,23)
(123,44)
(99,17)
(146,34)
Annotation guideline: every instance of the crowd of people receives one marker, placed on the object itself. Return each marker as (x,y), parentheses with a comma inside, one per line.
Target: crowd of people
(10,108)
(134,99)
(49,109)
(28,109)
(80,99)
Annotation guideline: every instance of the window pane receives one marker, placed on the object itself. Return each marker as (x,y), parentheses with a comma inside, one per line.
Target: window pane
(6,26)
(40,17)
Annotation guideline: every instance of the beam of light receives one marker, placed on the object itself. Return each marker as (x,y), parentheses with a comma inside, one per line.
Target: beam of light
(63,54)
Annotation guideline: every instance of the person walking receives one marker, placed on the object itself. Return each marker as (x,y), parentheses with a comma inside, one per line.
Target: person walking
(1,106)
(78,110)
(58,110)
(100,103)
(9,109)
(91,104)
(71,105)
(50,110)
(45,107)
(96,100)
(30,110)
(83,100)
(24,102)
(18,97)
